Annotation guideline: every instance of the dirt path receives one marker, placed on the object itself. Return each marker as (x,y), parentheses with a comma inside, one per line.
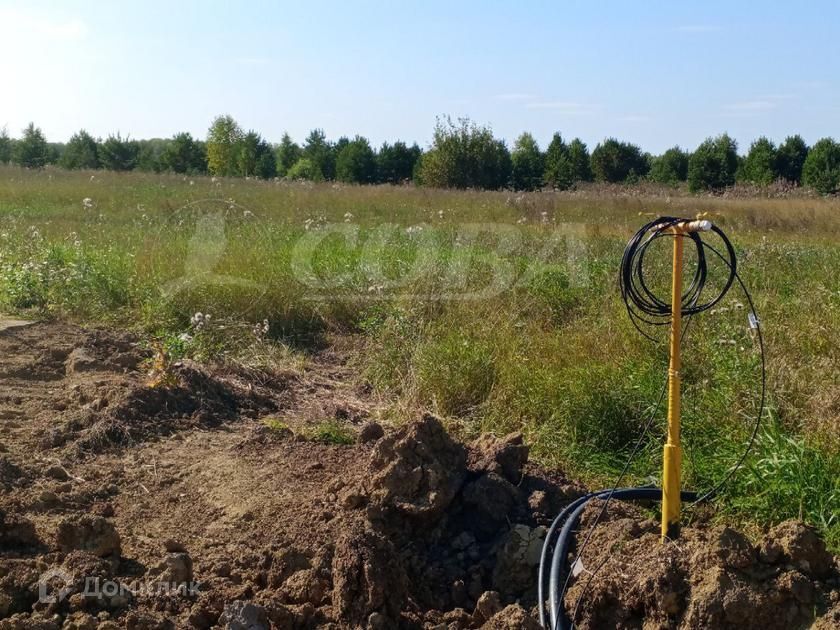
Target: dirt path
(186,509)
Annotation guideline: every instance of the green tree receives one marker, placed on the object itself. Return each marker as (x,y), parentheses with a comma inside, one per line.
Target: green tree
(527,162)
(559,172)
(6,147)
(150,155)
(255,157)
(266,162)
(395,163)
(81,152)
(614,161)
(790,158)
(356,162)
(670,167)
(288,153)
(184,154)
(822,167)
(31,150)
(465,155)
(581,161)
(759,166)
(118,154)
(305,169)
(55,151)
(320,153)
(223,146)
(713,164)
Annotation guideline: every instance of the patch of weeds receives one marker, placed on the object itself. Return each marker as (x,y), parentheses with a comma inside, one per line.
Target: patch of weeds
(456,370)
(331,432)
(276,425)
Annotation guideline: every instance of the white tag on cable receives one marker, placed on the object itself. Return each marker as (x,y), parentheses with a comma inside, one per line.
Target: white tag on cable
(753,319)
(577,568)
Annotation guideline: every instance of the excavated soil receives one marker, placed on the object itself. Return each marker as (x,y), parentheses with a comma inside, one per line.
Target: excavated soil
(127,505)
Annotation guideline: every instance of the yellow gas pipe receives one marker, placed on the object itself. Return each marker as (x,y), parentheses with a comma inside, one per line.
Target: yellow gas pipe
(671,460)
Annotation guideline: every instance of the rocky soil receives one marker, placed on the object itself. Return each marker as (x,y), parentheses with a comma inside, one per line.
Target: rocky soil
(175,505)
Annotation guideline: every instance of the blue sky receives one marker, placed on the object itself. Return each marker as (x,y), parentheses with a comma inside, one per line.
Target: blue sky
(654,73)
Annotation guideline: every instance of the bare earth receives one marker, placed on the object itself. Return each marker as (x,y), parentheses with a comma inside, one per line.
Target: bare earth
(194,514)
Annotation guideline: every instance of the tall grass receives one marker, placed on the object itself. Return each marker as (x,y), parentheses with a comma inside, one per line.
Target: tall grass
(543,345)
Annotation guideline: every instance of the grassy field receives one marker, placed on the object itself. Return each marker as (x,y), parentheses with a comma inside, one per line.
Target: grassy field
(500,311)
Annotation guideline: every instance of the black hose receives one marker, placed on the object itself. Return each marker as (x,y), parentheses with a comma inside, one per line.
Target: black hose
(569,518)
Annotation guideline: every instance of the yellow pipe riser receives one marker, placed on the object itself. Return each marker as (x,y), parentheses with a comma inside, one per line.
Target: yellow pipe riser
(671,456)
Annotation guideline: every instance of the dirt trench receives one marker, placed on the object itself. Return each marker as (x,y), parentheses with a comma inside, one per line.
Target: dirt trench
(124,505)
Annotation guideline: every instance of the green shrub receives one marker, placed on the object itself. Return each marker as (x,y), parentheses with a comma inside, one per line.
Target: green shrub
(822,166)
(464,155)
(304,169)
(670,168)
(615,162)
(759,166)
(713,164)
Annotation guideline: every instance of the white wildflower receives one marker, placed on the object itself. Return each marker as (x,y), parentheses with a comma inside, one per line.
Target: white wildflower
(87,203)
(200,320)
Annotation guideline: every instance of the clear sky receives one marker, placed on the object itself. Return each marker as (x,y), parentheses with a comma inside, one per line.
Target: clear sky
(654,73)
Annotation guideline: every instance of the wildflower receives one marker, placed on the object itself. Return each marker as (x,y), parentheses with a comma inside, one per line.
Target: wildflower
(260,330)
(247,214)
(87,203)
(200,320)
(348,216)
(185,337)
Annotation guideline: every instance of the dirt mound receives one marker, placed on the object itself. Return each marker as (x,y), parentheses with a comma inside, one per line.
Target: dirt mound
(709,578)
(124,505)
(194,399)
(85,390)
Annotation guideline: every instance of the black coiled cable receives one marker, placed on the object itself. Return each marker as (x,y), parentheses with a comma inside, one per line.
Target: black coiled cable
(642,304)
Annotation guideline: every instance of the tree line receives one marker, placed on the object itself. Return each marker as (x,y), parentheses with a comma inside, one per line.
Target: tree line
(462,154)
